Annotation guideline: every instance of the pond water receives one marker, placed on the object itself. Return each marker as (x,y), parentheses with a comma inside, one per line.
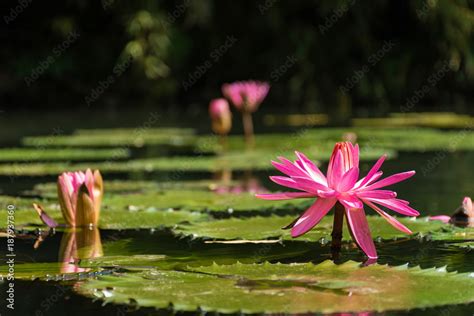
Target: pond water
(443,179)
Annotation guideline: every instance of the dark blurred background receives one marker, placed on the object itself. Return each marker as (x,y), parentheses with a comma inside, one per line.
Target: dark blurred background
(346,58)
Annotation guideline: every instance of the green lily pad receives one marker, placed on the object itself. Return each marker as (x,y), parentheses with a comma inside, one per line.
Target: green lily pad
(467,244)
(60,154)
(201,201)
(116,137)
(281,288)
(374,140)
(110,217)
(427,119)
(259,228)
(49,190)
(246,160)
(127,131)
(453,233)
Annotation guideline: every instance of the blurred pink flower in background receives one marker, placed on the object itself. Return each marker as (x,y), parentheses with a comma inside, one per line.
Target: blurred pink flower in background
(221,116)
(246,96)
(341,186)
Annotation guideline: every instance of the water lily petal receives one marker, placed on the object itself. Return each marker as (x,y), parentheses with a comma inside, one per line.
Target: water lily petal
(286,182)
(375,168)
(86,214)
(312,216)
(390,219)
(45,218)
(348,180)
(284,196)
(312,169)
(443,218)
(335,169)
(66,202)
(359,228)
(467,205)
(350,201)
(355,155)
(396,205)
(294,169)
(377,194)
(391,180)
(98,189)
(310,185)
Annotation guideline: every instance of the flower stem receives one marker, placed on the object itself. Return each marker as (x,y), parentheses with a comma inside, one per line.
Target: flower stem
(337,228)
(248,128)
(223,142)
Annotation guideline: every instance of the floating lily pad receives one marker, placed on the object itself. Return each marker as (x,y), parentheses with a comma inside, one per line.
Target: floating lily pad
(450,232)
(258,228)
(202,201)
(467,244)
(111,217)
(427,119)
(371,140)
(136,131)
(281,288)
(246,160)
(60,154)
(116,137)
(49,190)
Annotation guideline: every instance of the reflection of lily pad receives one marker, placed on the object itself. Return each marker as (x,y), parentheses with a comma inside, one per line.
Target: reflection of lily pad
(257,228)
(60,154)
(279,288)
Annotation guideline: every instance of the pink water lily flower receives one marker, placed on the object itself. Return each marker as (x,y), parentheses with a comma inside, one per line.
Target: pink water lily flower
(80,196)
(341,185)
(246,95)
(463,216)
(221,116)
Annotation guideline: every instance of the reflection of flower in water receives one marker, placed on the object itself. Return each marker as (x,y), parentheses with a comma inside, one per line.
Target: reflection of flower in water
(225,185)
(79,244)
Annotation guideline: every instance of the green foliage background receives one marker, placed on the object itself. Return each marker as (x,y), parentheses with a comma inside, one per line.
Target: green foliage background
(307,49)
